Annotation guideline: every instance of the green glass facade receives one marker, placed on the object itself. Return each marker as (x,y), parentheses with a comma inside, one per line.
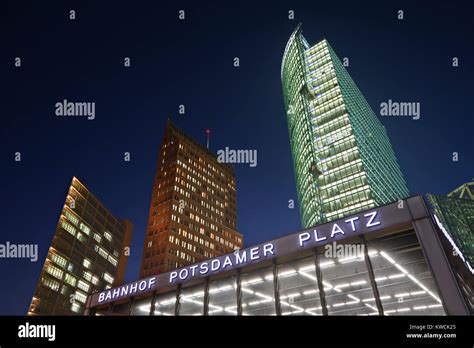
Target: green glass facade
(455,212)
(343,160)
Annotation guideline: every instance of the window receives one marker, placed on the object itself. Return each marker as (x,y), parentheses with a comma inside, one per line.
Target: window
(70,279)
(108,278)
(83,285)
(50,283)
(346,281)
(403,277)
(79,296)
(84,228)
(81,237)
(192,300)
(112,260)
(108,236)
(87,276)
(97,237)
(68,227)
(102,252)
(258,293)
(71,217)
(223,297)
(165,304)
(299,293)
(76,307)
(86,263)
(54,271)
(95,280)
(141,307)
(59,260)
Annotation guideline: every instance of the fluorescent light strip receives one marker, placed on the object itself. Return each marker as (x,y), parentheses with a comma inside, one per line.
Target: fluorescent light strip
(287,274)
(384,254)
(360,282)
(395,276)
(327,264)
(308,275)
(307,268)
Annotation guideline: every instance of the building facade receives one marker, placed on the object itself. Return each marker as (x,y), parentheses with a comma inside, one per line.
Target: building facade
(378,262)
(342,156)
(454,214)
(88,254)
(193,213)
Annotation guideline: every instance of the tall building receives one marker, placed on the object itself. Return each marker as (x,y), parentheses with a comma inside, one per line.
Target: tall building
(193,206)
(454,215)
(455,212)
(87,255)
(342,156)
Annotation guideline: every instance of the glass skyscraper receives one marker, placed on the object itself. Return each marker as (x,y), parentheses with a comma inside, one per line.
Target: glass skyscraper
(455,212)
(343,160)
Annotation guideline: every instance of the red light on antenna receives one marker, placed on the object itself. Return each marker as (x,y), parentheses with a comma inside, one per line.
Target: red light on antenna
(208,131)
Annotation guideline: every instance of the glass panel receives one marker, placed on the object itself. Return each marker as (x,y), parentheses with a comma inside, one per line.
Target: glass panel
(299,294)
(142,306)
(258,293)
(102,311)
(223,297)
(165,303)
(403,278)
(192,300)
(345,279)
(121,309)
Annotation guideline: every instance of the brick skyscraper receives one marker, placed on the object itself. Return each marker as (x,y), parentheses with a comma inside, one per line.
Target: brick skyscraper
(193,206)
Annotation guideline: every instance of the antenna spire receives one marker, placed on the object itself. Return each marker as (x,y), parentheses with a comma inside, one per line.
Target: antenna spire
(208,133)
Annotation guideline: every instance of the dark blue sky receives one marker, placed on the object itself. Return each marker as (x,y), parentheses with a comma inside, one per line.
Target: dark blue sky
(191,62)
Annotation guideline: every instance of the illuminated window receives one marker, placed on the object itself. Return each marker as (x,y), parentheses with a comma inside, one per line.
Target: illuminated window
(54,271)
(346,281)
(299,294)
(70,279)
(79,296)
(108,236)
(59,260)
(84,228)
(108,278)
(50,283)
(112,260)
(86,263)
(192,300)
(71,217)
(83,285)
(404,280)
(97,237)
(75,307)
(68,227)
(258,293)
(223,297)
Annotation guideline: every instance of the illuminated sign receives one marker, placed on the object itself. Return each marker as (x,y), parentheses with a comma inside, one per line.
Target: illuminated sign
(371,221)
(127,290)
(337,229)
(215,265)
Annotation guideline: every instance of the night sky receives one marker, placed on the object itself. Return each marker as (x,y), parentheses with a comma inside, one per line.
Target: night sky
(190,62)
